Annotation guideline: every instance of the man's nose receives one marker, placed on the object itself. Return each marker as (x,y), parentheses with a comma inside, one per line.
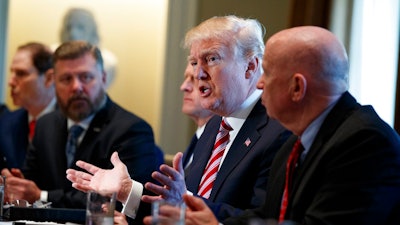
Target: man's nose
(77,84)
(200,73)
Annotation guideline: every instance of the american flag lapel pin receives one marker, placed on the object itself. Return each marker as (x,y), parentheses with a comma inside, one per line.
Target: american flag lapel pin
(247,142)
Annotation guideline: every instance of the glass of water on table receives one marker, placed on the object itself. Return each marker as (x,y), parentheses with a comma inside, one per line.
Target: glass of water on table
(100,209)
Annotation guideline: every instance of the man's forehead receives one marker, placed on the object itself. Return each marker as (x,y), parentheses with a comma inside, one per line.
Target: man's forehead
(23,58)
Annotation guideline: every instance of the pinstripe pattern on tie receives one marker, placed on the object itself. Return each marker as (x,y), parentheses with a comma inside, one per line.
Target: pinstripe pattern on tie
(211,170)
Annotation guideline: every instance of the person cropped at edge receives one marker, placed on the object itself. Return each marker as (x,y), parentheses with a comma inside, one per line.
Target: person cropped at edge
(349,170)
(80,88)
(225,56)
(32,89)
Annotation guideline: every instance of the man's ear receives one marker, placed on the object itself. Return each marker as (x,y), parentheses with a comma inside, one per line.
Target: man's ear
(49,77)
(252,66)
(298,87)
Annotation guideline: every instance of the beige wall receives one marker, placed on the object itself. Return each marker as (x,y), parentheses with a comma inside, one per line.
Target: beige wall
(134,30)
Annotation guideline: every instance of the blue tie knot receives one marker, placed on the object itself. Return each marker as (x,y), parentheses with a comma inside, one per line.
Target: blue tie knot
(75,131)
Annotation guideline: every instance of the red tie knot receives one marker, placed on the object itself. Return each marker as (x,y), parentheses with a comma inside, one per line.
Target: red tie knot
(32,125)
(225,125)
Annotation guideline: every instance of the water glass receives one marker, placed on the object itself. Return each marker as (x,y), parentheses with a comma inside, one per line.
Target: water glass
(165,213)
(100,209)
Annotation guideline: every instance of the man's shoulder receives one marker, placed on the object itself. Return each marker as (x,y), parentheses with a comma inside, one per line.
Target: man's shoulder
(117,115)
(16,116)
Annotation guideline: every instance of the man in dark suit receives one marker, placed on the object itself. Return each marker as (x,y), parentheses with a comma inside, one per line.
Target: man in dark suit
(348,171)
(106,128)
(227,64)
(32,89)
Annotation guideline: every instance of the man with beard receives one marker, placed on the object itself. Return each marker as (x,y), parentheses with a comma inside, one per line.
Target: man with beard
(80,79)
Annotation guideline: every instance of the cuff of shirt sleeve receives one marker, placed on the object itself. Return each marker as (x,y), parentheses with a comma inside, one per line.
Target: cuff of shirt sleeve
(44,195)
(132,203)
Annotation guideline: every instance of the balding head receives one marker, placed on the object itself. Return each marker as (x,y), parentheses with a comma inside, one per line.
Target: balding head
(305,71)
(314,52)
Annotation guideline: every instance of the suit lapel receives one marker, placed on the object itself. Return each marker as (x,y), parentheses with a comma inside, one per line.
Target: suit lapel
(243,143)
(189,150)
(58,156)
(101,118)
(202,153)
(343,109)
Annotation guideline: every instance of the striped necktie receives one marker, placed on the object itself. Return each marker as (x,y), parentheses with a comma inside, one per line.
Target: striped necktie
(211,170)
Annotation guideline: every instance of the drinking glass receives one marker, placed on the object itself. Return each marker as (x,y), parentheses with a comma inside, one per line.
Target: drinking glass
(100,209)
(165,213)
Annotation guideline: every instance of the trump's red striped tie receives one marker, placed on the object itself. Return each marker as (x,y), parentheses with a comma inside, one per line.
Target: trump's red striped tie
(211,170)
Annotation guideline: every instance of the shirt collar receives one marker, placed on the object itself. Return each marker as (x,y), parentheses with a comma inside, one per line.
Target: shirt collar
(308,136)
(83,123)
(200,130)
(237,118)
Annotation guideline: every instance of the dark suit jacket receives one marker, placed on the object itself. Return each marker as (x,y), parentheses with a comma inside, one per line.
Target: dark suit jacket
(14,141)
(243,176)
(351,174)
(3,109)
(112,129)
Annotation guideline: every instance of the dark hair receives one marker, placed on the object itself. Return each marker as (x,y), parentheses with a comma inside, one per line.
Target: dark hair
(76,49)
(41,56)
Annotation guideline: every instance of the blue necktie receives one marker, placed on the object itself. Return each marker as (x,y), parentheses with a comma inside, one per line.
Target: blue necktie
(72,143)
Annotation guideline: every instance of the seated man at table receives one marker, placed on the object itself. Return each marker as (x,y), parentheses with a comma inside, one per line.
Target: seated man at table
(32,90)
(104,128)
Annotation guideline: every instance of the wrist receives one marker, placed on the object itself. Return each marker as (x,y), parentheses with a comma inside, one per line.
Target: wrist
(126,187)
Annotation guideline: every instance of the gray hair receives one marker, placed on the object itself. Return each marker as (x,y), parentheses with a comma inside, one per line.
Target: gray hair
(245,35)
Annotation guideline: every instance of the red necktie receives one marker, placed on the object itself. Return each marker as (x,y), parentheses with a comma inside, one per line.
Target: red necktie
(290,166)
(32,125)
(211,170)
